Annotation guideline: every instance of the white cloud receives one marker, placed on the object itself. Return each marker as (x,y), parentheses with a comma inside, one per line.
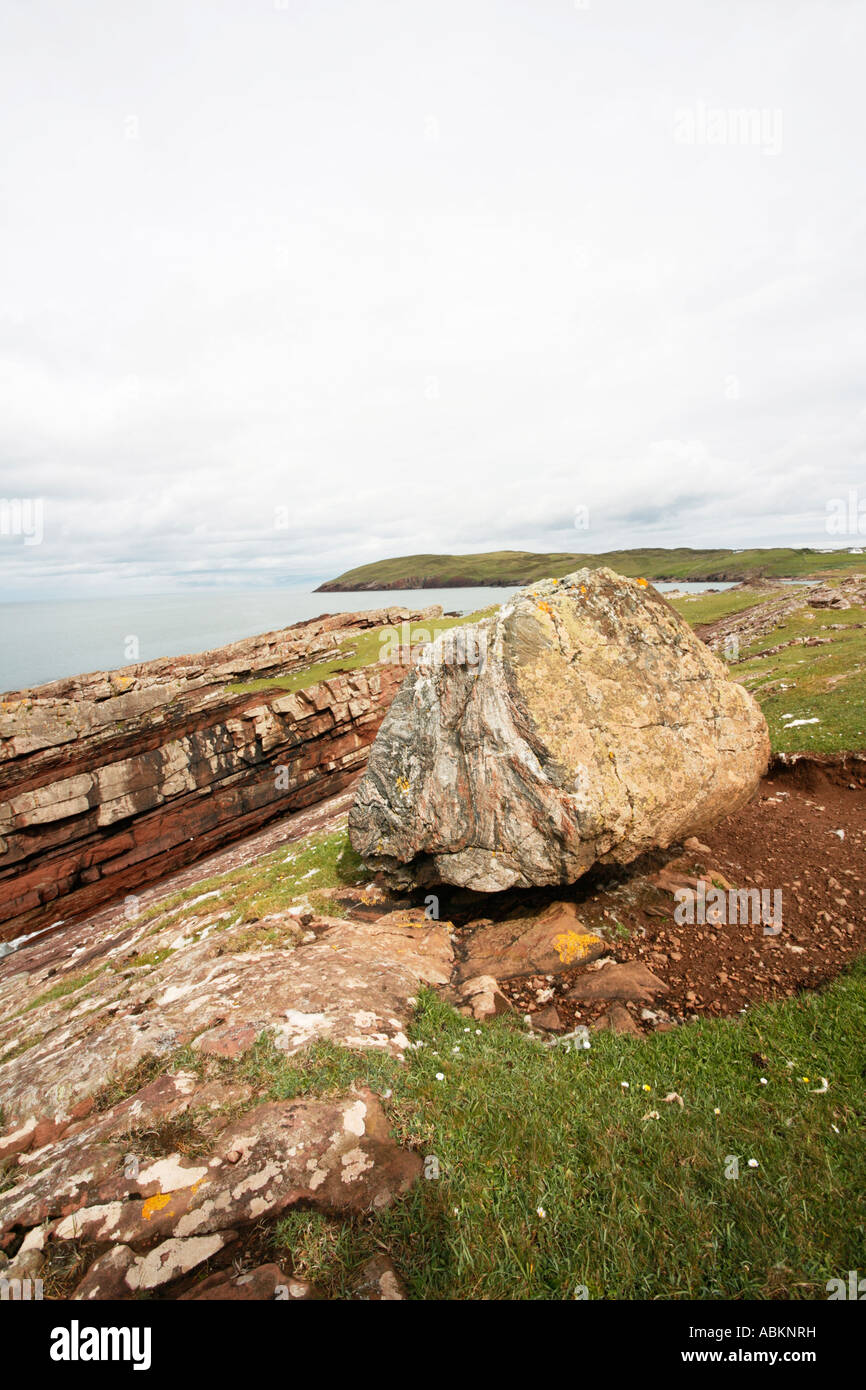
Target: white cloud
(427,280)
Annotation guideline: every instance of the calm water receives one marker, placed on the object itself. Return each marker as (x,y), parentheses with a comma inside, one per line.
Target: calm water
(47,640)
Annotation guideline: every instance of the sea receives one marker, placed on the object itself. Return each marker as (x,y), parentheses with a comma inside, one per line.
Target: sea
(46,640)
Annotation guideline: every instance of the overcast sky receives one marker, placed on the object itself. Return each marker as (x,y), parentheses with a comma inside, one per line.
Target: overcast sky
(291,285)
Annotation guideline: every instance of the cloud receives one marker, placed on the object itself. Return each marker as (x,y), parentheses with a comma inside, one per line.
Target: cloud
(288,290)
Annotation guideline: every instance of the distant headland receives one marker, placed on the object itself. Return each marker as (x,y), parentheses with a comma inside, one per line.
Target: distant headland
(506,568)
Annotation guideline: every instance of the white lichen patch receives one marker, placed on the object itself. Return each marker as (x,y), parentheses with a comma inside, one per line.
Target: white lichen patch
(354,1117)
(354,1163)
(170,1174)
(93,1223)
(255,1181)
(173,1258)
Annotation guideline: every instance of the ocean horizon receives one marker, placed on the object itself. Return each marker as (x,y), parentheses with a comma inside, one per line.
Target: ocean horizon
(45,640)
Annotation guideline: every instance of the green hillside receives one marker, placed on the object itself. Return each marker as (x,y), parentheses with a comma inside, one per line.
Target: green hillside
(514,567)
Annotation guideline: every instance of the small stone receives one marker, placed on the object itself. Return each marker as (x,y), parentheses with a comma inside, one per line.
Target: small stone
(629,981)
(621,1021)
(380,1282)
(484,998)
(547,1019)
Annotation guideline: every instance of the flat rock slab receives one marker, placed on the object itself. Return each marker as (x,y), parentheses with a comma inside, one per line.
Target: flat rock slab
(164,1216)
(631,980)
(547,943)
(584,722)
(335,1155)
(351,985)
(86,1165)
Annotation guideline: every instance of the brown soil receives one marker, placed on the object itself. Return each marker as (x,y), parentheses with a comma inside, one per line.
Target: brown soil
(784,839)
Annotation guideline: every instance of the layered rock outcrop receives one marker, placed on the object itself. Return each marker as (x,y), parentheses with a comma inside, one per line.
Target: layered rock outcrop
(583,723)
(109,778)
(155,1167)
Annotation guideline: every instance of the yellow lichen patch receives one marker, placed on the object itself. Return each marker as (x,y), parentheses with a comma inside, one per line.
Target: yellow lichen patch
(642,583)
(572,946)
(544,607)
(155,1204)
(403,785)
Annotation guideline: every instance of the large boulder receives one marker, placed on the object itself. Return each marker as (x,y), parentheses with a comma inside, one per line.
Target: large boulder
(582,723)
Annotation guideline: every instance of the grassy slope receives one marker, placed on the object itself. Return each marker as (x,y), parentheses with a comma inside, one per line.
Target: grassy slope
(523,567)
(827,682)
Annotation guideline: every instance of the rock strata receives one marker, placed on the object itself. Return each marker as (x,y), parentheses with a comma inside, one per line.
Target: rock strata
(104,776)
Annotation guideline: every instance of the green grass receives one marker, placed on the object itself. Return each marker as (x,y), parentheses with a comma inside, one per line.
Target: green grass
(634,1207)
(123,1085)
(827,682)
(147,960)
(267,885)
(70,985)
(524,567)
(20,1048)
(710,608)
(354,653)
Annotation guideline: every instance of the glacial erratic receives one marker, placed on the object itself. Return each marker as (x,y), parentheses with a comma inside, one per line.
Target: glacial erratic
(582,723)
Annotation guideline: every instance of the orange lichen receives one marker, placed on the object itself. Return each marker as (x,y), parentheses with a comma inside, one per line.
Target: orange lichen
(155,1204)
(572,946)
